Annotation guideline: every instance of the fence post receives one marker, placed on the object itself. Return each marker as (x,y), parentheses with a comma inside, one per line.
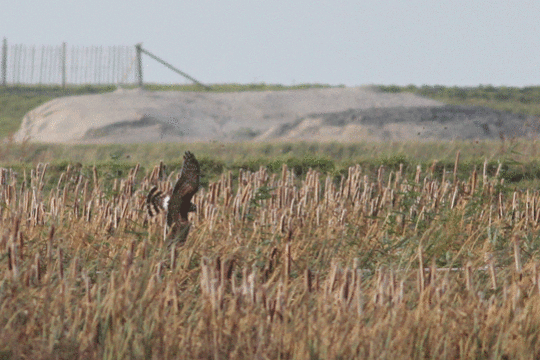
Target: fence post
(63,65)
(139,64)
(4,62)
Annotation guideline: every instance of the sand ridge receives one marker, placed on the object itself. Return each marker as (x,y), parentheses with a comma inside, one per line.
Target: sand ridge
(322,114)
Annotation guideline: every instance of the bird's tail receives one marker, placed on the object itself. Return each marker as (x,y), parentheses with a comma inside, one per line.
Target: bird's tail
(156,201)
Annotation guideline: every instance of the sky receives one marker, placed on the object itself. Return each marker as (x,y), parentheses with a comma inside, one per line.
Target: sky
(349,42)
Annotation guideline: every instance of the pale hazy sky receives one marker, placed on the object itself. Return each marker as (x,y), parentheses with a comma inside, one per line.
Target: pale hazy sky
(350,42)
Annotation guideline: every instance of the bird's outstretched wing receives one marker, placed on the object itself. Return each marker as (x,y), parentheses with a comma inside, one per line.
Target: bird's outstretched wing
(188,184)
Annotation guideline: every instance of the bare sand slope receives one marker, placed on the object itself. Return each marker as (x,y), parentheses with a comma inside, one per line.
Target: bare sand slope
(448,122)
(144,116)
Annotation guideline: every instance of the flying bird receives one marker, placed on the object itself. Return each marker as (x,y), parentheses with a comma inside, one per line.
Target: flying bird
(178,204)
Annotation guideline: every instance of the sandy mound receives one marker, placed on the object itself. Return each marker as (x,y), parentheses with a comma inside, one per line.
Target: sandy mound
(330,114)
(144,116)
(446,122)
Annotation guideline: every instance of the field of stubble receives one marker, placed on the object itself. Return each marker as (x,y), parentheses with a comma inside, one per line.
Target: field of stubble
(398,264)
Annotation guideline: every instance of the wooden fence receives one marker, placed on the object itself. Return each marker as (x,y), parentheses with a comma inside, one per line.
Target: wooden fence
(68,65)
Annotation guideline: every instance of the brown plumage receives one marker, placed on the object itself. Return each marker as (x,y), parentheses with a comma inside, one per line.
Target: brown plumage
(179,204)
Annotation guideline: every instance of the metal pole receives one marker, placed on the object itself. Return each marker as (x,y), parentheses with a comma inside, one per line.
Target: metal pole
(90,64)
(4,62)
(139,63)
(15,63)
(114,74)
(63,65)
(18,53)
(47,71)
(140,49)
(96,65)
(51,65)
(72,59)
(86,56)
(33,64)
(109,61)
(41,63)
(119,57)
(22,61)
(78,65)
(48,67)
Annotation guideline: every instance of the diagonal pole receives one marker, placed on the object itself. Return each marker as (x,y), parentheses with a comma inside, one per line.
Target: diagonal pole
(172,67)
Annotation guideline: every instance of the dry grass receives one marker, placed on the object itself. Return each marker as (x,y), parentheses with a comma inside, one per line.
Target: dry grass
(402,265)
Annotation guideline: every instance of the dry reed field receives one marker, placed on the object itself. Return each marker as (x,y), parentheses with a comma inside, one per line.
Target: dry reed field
(404,264)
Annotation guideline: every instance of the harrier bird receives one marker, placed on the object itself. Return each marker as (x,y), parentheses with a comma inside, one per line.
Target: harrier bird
(179,203)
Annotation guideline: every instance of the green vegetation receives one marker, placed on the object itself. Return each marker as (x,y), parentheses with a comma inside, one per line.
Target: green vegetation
(520,160)
(232,87)
(524,100)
